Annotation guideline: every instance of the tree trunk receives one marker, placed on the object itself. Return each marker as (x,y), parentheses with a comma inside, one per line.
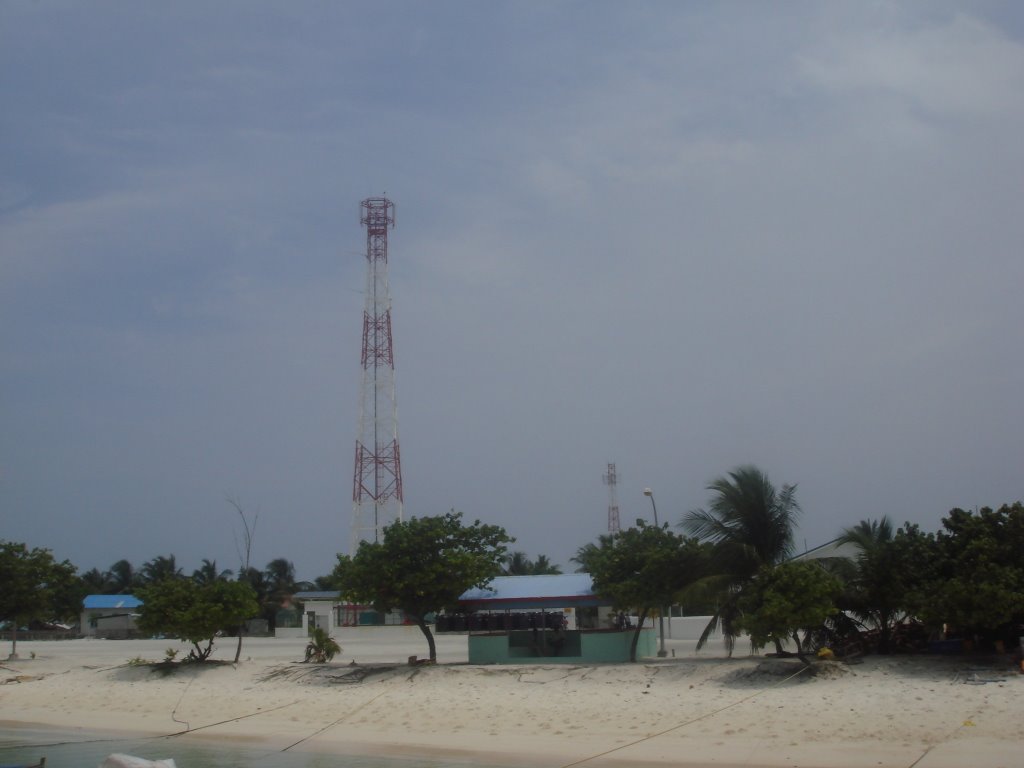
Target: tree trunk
(800,649)
(884,632)
(238,648)
(422,624)
(14,639)
(636,634)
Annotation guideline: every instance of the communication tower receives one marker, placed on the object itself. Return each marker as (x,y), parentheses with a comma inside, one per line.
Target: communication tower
(611,480)
(377,480)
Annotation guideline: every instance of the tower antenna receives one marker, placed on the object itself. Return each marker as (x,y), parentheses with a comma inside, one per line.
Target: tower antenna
(377,480)
(611,480)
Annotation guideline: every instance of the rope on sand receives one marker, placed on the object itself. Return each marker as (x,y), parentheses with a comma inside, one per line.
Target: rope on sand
(965,724)
(688,722)
(339,720)
(122,739)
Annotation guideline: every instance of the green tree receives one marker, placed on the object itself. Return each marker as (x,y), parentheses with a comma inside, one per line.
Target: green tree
(195,612)
(422,565)
(784,599)
(750,524)
(975,577)
(645,567)
(31,586)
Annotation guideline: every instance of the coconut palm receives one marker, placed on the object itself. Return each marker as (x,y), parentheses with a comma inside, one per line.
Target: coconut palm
(586,554)
(280,585)
(875,589)
(207,573)
(95,582)
(518,564)
(321,648)
(750,524)
(123,578)
(160,568)
(544,567)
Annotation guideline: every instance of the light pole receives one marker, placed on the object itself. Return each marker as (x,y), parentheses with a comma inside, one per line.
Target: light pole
(662,653)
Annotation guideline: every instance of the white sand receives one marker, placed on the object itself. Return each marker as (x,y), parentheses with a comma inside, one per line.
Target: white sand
(693,710)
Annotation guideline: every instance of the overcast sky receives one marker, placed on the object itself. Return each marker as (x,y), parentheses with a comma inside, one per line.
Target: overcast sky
(676,236)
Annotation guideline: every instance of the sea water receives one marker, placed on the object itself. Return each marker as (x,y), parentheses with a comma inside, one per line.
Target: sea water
(25,746)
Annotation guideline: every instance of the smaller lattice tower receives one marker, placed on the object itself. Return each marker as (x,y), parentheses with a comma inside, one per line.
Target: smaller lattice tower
(611,480)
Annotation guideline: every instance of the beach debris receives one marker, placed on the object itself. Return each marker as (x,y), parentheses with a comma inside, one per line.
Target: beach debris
(118,760)
(978,677)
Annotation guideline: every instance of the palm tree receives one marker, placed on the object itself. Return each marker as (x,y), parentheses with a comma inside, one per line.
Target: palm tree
(875,589)
(585,555)
(95,581)
(518,564)
(321,648)
(160,568)
(750,524)
(544,567)
(123,578)
(280,581)
(207,573)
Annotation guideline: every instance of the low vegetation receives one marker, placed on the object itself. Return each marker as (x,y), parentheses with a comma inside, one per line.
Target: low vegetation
(901,588)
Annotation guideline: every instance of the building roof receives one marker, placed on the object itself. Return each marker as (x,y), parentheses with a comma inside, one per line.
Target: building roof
(110,602)
(550,591)
(829,549)
(326,595)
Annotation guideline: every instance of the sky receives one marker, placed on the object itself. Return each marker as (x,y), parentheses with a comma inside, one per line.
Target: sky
(681,237)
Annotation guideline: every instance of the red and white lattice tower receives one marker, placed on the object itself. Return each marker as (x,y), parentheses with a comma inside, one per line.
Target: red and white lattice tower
(611,480)
(377,481)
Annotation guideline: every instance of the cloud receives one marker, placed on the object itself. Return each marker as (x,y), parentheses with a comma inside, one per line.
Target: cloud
(962,69)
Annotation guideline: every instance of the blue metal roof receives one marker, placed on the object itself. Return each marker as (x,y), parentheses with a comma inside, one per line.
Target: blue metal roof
(564,589)
(110,602)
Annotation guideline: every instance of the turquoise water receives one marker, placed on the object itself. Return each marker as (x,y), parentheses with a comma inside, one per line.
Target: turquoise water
(78,750)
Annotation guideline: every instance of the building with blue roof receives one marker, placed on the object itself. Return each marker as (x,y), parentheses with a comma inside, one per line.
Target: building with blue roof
(515,619)
(110,616)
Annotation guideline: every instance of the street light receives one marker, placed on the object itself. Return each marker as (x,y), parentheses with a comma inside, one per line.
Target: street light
(650,493)
(662,653)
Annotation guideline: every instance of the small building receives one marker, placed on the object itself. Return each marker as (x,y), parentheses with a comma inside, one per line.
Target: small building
(308,610)
(547,619)
(110,616)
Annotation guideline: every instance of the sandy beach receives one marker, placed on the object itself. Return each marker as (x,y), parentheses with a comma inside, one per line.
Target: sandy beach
(691,709)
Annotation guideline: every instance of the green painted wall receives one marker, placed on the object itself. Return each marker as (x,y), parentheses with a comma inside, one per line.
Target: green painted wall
(577,647)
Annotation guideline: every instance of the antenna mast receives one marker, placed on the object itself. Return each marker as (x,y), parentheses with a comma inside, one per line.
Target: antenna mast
(377,480)
(611,480)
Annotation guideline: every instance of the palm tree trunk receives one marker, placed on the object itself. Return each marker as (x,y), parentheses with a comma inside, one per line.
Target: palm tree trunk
(884,631)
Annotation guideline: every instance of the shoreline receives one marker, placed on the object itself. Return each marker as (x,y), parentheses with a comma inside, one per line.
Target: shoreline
(696,710)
